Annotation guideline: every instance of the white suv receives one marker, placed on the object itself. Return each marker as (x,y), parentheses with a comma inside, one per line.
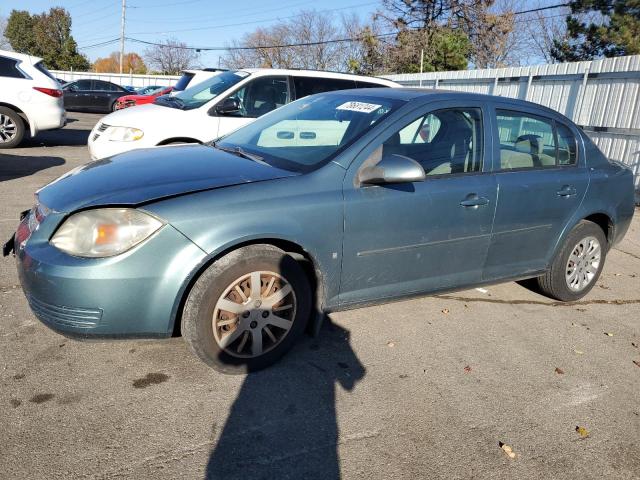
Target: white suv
(215,107)
(30,98)
(190,78)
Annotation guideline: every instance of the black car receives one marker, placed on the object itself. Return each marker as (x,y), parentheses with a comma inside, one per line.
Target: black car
(92,95)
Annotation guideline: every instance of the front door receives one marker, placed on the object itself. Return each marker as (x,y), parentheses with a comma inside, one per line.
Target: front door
(541,182)
(423,236)
(255,98)
(77,94)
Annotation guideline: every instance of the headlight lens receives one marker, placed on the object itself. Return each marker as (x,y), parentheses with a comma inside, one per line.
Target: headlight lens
(104,232)
(124,134)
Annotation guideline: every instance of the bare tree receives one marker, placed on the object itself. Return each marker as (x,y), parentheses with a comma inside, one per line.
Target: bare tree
(278,46)
(171,56)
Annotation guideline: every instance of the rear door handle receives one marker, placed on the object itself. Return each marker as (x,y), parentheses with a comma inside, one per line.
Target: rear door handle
(474,201)
(567,191)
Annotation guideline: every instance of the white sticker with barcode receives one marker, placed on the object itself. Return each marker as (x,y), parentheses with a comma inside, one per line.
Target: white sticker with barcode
(359,107)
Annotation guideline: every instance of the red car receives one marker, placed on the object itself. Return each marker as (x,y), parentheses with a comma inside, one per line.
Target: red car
(133,100)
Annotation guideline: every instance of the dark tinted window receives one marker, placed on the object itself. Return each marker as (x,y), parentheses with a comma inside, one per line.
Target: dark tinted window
(105,86)
(566,145)
(40,66)
(183,82)
(443,142)
(310,85)
(360,84)
(80,85)
(9,68)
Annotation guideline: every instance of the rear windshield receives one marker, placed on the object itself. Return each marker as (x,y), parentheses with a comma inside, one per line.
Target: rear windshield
(40,66)
(184,81)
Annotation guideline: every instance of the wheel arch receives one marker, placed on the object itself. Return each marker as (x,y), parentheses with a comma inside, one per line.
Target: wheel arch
(27,123)
(169,141)
(309,262)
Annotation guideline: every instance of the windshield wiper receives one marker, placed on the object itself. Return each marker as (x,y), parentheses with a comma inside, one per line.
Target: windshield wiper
(240,152)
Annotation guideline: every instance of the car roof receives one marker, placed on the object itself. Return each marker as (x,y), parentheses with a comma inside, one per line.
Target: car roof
(317,73)
(408,93)
(20,56)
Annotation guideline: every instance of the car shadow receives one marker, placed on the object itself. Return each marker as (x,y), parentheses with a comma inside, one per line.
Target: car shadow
(17,166)
(283,421)
(64,137)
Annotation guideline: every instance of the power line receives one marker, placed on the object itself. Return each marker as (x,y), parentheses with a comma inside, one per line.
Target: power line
(539,9)
(263,47)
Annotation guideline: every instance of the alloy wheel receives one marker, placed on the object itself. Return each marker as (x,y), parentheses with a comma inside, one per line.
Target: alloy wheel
(254,314)
(583,263)
(8,129)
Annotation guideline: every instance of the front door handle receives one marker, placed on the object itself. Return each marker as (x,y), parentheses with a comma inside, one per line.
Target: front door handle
(567,191)
(474,201)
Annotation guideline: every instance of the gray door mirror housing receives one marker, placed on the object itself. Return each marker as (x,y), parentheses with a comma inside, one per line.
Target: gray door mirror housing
(392,168)
(228,106)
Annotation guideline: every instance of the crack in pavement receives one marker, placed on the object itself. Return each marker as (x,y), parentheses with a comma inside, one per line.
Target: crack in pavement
(628,253)
(537,302)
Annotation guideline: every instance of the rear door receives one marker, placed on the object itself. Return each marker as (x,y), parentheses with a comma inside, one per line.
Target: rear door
(418,237)
(104,94)
(541,182)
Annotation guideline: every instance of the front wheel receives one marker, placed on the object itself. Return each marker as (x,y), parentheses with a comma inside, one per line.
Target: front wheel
(247,309)
(578,265)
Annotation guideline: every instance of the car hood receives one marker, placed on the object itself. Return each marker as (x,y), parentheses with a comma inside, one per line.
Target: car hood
(148,174)
(142,115)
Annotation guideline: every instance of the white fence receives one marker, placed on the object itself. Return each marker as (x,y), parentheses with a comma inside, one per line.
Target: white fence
(120,79)
(602,96)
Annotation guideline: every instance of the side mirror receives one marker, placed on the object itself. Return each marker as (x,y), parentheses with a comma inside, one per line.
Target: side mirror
(392,169)
(228,106)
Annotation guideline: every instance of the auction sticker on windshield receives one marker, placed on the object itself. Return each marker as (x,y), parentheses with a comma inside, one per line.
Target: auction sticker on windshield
(359,107)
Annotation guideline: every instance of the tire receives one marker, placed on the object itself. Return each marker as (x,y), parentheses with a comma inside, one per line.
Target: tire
(563,280)
(113,106)
(229,347)
(12,128)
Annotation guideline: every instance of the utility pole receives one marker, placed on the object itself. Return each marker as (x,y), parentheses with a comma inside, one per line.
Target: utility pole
(124,9)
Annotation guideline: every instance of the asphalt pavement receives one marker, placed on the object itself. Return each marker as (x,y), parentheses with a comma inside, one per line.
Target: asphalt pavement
(429,388)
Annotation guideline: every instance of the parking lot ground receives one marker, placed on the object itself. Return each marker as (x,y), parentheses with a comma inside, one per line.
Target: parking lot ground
(425,388)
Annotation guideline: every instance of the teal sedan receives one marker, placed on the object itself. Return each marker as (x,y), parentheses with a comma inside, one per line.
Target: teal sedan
(334,201)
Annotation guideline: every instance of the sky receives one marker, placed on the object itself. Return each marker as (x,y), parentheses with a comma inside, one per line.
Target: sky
(199,23)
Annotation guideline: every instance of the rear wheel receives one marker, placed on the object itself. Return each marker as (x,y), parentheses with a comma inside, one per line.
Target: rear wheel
(11,128)
(578,265)
(247,309)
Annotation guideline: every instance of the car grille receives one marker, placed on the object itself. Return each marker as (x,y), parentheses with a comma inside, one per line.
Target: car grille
(67,316)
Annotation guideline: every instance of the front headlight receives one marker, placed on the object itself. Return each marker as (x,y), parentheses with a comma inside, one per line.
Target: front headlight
(124,134)
(104,232)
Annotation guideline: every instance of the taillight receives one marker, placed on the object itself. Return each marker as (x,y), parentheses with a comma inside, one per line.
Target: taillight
(49,91)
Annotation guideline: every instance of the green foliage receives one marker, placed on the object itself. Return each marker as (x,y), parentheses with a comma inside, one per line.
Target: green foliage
(46,35)
(613,30)
(443,47)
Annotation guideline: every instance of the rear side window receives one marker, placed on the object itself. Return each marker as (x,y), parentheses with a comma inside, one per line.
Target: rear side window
(105,86)
(183,82)
(529,141)
(360,84)
(567,148)
(311,85)
(9,68)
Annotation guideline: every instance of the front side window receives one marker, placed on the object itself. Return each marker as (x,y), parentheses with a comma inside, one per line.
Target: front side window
(307,133)
(311,85)
(529,141)
(443,142)
(79,86)
(9,68)
(260,96)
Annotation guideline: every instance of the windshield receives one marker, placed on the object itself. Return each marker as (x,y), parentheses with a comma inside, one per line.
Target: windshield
(201,93)
(306,134)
